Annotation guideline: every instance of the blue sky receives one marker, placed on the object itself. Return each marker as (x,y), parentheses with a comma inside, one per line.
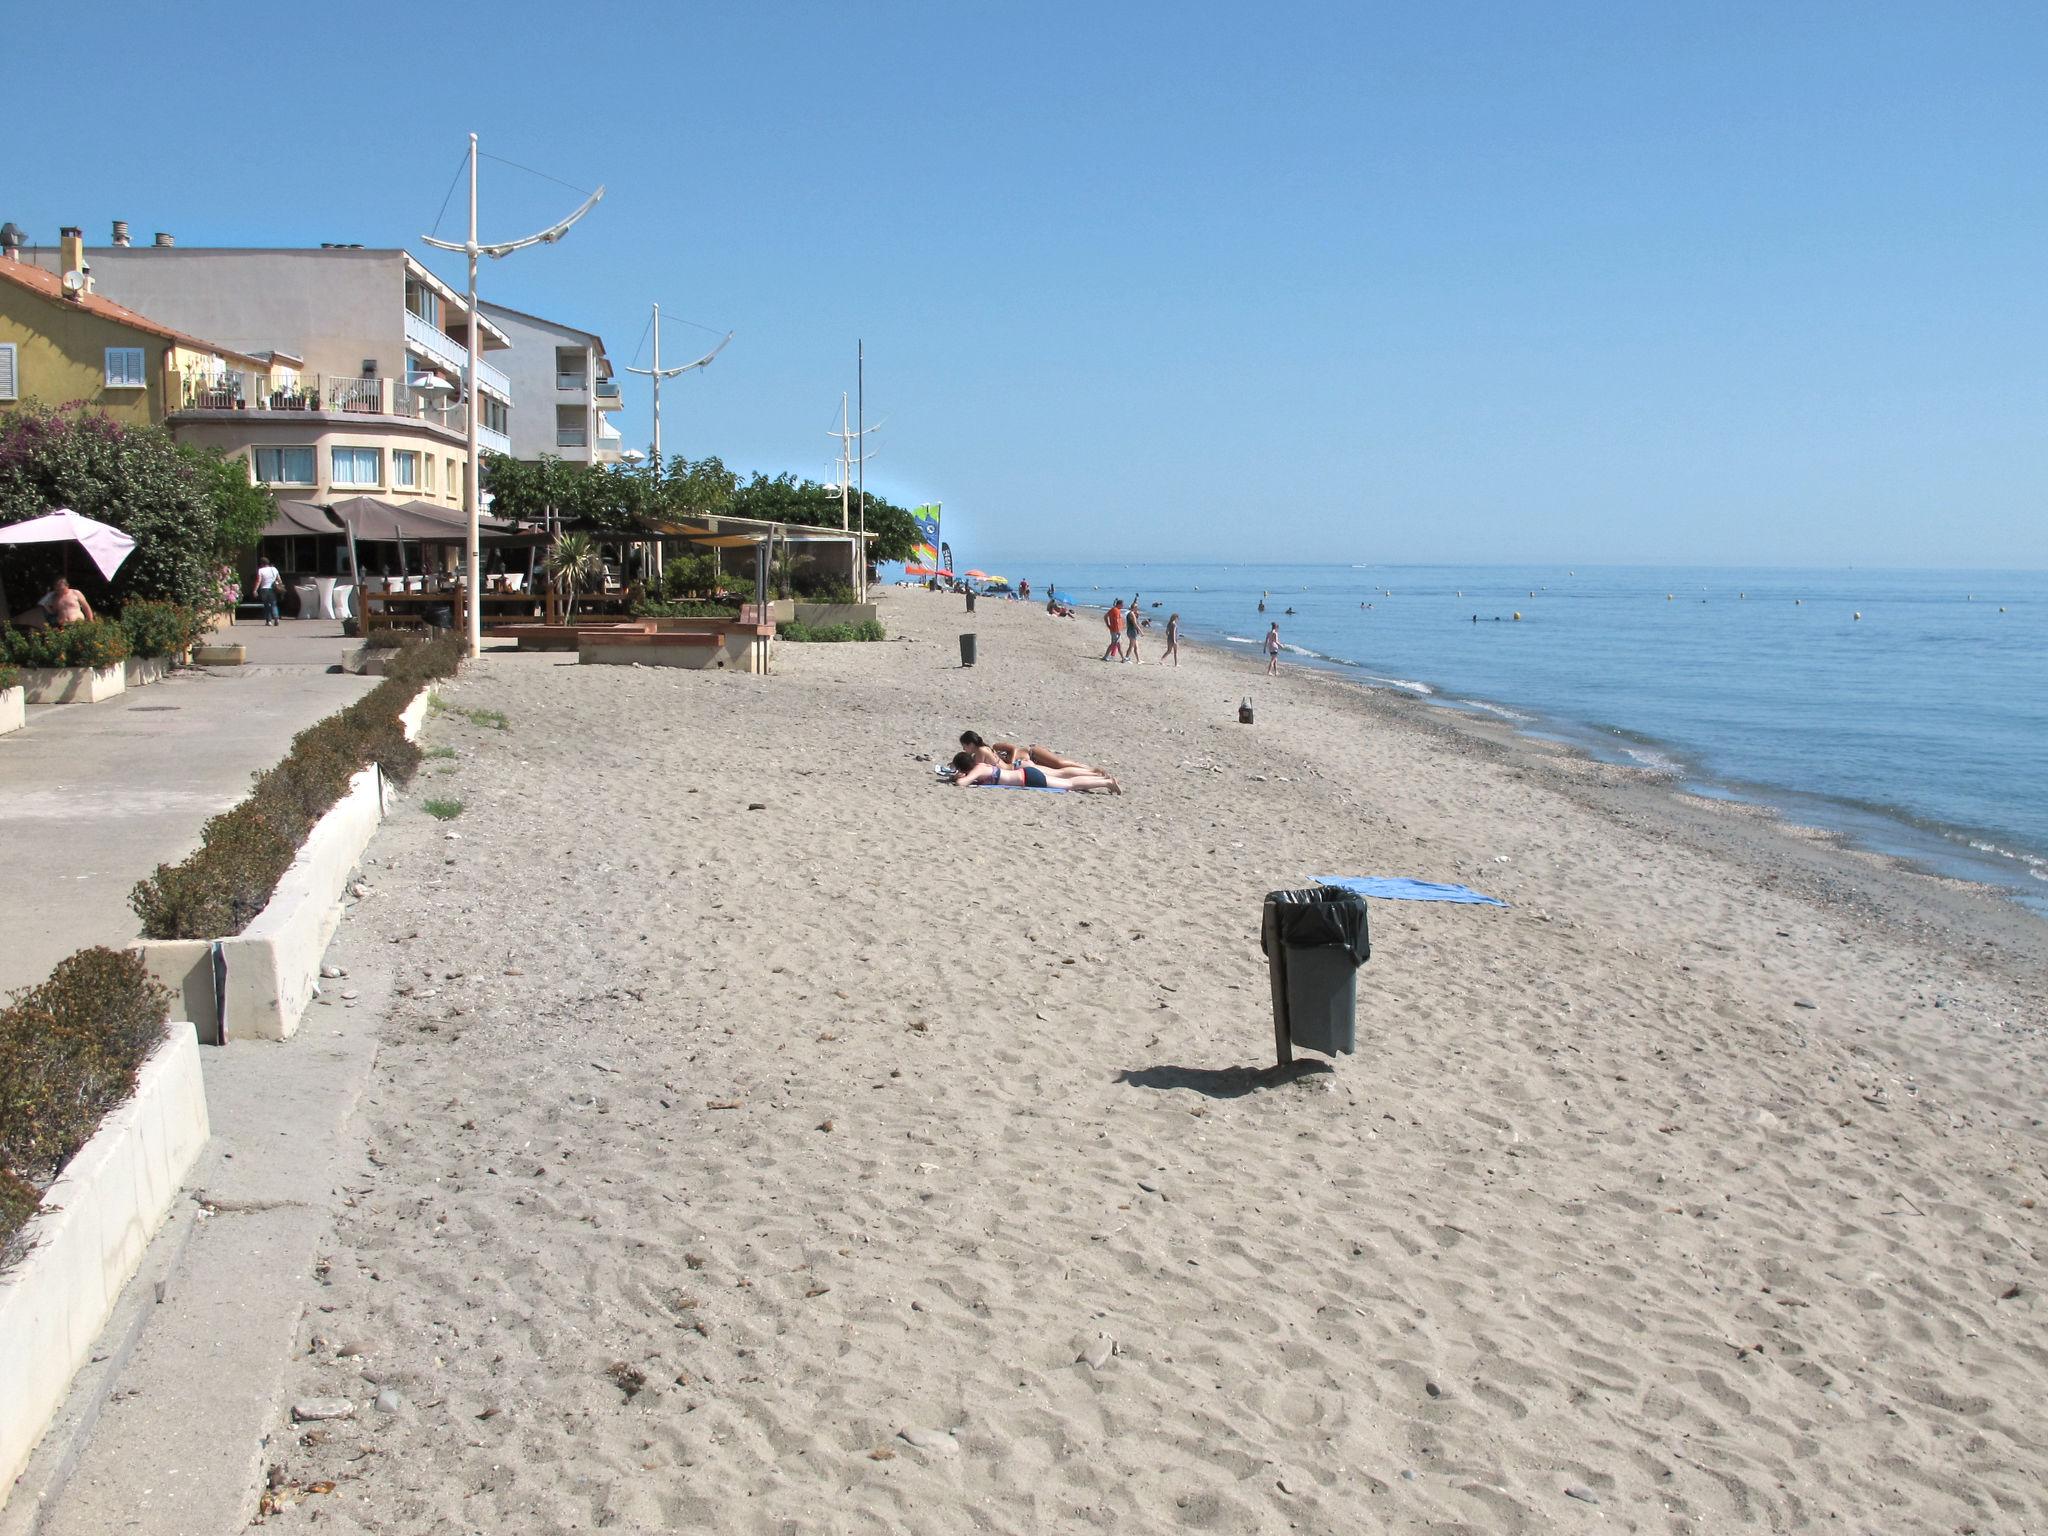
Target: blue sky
(1718,283)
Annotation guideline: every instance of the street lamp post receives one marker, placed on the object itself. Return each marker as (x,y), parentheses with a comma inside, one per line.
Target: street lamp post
(472,486)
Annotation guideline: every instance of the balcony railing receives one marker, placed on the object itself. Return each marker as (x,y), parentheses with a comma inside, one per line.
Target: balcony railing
(572,381)
(450,353)
(489,441)
(571,437)
(607,394)
(346,394)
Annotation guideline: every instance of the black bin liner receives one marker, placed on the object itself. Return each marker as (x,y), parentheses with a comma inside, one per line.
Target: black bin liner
(1314,941)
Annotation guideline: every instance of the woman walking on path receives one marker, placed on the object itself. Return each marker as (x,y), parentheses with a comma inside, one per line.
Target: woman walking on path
(1273,650)
(1131,630)
(1172,651)
(1115,620)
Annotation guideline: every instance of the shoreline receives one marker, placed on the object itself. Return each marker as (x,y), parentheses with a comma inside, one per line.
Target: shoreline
(1803,813)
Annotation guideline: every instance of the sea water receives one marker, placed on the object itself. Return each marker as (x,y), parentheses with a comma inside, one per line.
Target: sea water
(1907,710)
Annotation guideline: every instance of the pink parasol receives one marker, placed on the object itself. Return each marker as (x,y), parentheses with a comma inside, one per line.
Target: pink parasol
(107,545)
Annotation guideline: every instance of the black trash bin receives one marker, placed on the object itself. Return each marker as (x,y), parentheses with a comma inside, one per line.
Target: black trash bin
(1315,940)
(970,601)
(967,650)
(439,615)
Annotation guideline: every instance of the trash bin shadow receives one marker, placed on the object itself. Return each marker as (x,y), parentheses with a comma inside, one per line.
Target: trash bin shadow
(1221,1082)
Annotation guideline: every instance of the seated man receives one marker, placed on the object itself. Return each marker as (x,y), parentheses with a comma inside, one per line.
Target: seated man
(66,604)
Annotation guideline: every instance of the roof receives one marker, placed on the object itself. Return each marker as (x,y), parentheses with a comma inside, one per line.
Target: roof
(491,307)
(51,287)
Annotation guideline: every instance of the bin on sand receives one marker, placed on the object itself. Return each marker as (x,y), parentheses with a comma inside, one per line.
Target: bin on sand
(1315,940)
(967,650)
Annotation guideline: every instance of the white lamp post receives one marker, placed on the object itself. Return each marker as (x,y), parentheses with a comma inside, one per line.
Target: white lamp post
(472,249)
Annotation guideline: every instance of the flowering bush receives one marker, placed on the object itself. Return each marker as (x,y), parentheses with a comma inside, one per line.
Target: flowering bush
(97,643)
(159,629)
(227,591)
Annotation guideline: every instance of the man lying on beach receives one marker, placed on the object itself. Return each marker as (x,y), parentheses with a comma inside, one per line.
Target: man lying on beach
(1007,754)
(970,771)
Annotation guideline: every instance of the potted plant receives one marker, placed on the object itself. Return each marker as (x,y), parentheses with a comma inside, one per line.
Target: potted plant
(574,563)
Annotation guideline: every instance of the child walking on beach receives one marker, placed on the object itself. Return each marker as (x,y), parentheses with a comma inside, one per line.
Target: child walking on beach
(1115,620)
(1273,650)
(1172,651)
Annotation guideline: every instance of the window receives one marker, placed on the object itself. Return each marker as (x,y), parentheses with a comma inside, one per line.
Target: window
(454,479)
(497,415)
(571,430)
(429,458)
(124,368)
(405,469)
(423,301)
(284,466)
(10,376)
(358,466)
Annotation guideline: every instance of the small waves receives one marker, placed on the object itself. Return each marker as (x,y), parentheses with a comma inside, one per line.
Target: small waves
(1420,690)
(2034,865)
(1513,716)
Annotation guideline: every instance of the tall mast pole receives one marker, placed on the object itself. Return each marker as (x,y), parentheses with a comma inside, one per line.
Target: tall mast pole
(474,622)
(860,552)
(657,391)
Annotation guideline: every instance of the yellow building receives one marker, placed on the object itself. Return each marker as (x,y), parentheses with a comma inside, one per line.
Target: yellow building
(61,343)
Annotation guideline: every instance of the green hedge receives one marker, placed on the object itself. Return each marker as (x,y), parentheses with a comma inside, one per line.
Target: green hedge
(686,610)
(69,1052)
(806,634)
(159,628)
(10,675)
(96,643)
(242,852)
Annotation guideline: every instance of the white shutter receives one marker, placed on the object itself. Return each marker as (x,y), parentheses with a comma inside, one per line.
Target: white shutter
(10,384)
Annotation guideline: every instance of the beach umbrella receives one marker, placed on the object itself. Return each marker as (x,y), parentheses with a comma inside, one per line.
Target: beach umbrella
(977,575)
(107,545)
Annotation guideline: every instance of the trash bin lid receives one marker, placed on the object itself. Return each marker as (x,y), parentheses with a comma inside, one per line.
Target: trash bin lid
(1320,917)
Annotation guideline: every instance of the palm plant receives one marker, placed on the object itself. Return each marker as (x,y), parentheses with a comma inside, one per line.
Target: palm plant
(574,563)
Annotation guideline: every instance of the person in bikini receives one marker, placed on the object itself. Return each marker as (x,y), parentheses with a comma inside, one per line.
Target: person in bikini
(1007,754)
(971,770)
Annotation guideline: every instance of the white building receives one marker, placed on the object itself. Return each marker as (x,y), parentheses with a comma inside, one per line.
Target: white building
(564,382)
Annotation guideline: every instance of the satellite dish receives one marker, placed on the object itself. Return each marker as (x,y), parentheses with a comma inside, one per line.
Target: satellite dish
(74,281)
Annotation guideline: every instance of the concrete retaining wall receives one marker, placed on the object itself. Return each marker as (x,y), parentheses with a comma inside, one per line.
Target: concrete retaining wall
(818,615)
(141,671)
(73,685)
(88,1239)
(270,968)
(13,708)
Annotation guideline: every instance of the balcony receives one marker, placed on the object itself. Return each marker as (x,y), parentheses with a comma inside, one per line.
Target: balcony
(577,382)
(608,395)
(450,353)
(488,441)
(312,394)
(571,437)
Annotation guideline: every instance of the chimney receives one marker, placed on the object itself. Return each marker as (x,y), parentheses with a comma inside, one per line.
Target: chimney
(120,232)
(164,240)
(71,244)
(11,241)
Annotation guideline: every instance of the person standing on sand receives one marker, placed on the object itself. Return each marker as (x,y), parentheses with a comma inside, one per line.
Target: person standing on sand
(1131,629)
(1172,640)
(1115,620)
(1273,650)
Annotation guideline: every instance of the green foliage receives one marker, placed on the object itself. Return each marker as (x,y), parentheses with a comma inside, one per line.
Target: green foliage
(812,586)
(807,634)
(442,810)
(692,573)
(168,499)
(241,508)
(646,610)
(609,498)
(10,676)
(69,1052)
(96,643)
(242,852)
(574,564)
(489,719)
(159,629)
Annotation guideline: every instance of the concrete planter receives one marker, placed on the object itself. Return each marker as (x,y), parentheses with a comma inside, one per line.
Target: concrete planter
(73,685)
(13,709)
(88,1238)
(219,655)
(141,671)
(256,985)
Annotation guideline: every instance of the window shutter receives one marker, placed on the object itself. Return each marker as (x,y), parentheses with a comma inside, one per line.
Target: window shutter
(9,384)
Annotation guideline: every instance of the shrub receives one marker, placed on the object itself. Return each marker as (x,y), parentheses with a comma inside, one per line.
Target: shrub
(442,810)
(96,643)
(242,852)
(10,675)
(686,610)
(688,573)
(69,1052)
(814,588)
(158,628)
(805,634)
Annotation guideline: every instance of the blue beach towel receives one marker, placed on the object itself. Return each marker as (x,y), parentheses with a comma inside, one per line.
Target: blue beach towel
(1396,888)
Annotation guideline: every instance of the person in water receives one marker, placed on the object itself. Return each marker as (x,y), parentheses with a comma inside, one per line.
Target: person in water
(1030,776)
(1172,652)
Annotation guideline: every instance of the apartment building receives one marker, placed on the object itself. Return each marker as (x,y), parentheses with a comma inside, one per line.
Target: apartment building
(559,366)
(354,362)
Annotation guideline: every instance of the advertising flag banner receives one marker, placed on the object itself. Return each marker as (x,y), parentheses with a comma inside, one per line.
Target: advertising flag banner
(927,519)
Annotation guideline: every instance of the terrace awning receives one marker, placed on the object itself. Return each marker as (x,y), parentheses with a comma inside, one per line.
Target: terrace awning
(370,517)
(296,519)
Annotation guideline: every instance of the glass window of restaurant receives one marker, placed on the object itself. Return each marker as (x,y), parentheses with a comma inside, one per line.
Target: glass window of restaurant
(357,466)
(284,466)
(405,469)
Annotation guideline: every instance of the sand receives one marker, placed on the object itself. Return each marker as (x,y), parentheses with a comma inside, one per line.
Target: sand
(767,1139)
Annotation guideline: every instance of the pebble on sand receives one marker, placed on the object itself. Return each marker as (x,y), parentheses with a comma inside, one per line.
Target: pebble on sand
(939,1442)
(314,1410)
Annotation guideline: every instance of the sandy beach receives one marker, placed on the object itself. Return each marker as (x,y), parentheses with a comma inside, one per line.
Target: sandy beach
(766,1138)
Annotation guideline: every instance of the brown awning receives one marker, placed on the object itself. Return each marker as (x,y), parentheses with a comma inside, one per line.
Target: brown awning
(296,519)
(373,518)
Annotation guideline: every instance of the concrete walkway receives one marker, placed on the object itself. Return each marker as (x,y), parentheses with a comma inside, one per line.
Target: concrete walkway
(94,796)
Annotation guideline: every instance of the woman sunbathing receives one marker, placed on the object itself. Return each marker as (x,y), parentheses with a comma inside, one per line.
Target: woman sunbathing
(1007,754)
(969,770)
